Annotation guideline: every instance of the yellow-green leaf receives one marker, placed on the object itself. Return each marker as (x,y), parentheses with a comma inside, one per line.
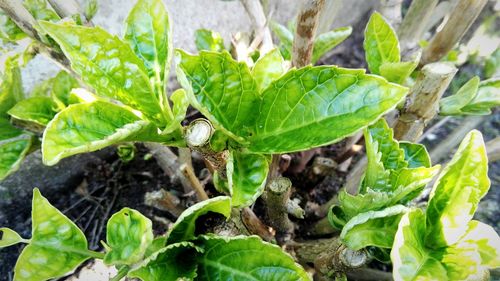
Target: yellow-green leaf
(381,43)
(128,234)
(57,245)
(9,237)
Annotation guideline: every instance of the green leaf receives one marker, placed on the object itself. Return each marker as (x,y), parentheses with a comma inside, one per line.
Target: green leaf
(57,245)
(247,177)
(373,228)
(128,234)
(9,31)
(410,258)
(11,90)
(462,262)
(184,228)
(408,183)
(8,131)
(416,154)
(180,102)
(381,43)
(457,192)
(9,237)
(12,153)
(157,244)
(330,101)
(208,40)
(268,68)
(285,36)
(38,110)
(376,176)
(393,157)
(91,126)
(453,104)
(486,240)
(240,258)
(329,40)
(40,11)
(61,87)
(108,65)
(221,88)
(148,32)
(397,72)
(90,8)
(171,263)
(371,200)
(488,96)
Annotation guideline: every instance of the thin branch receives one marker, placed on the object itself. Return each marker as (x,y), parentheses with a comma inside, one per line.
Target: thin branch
(195,182)
(391,10)
(328,14)
(307,24)
(422,103)
(68,8)
(493,149)
(412,28)
(260,23)
(165,201)
(20,15)
(444,147)
(460,20)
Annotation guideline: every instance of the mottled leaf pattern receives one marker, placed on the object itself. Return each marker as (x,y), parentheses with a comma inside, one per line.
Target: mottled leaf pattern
(247,177)
(456,193)
(9,237)
(128,234)
(91,126)
(12,152)
(53,235)
(208,40)
(415,154)
(108,65)
(11,89)
(268,68)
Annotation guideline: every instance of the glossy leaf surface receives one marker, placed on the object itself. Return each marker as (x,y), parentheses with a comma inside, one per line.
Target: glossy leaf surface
(11,89)
(180,102)
(453,104)
(9,237)
(268,68)
(171,263)
(410,258)
(397,72)
(108,65)
(7,130)
(149,34)
(208,40)
(184,228)
(456,193)
(330,101)
(91,126)
(247,177)
(61,86)
(488,96)
(12,152)
(329,40)
(240,258)
(415,154)
(221,88)
(373,228)
(128,234)
(39,110)
(486,241)
(381,43)
(53,235)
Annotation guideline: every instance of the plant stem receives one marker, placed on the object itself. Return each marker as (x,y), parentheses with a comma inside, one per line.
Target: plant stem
(391,10)
(20,15)
(422,103)
(121,273)
(195,182)
(412,28)
(260,23)
(169,163)
(68,8)
(307,24)
(95,255)
(197,136)
(460,20)
(276,196)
